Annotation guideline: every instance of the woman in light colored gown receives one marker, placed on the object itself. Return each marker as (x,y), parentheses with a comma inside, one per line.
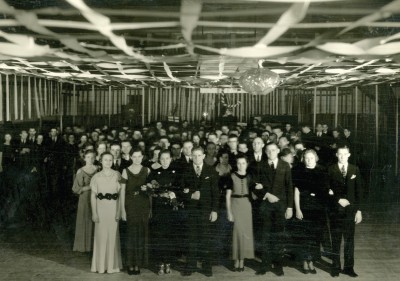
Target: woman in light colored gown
(105,214)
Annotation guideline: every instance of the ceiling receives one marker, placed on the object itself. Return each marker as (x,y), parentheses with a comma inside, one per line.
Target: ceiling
(210,43)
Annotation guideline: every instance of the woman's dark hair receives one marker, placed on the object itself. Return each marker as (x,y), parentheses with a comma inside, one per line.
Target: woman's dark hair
(90,151)
(136,149)
(164,151)
(222,152)
(242,156)
(284,152)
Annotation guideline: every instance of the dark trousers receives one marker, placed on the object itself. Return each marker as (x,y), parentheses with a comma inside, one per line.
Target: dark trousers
(201,239)
(311,234)
(342,224)
(273,232)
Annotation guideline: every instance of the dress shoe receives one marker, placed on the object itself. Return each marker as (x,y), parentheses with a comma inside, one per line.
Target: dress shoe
(235,269)
(240,269)
(279,271)
(305,270)
(161,269)
(313,271)
(263,270)
(207,270)
(131,271)
(350,272)
(335,272)
(136,272)
(187,272)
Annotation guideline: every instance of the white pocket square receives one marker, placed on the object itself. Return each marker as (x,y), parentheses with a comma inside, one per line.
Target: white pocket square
(206,178)
(353,177)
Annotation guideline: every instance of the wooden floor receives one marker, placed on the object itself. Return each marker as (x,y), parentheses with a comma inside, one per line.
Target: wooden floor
(27,254)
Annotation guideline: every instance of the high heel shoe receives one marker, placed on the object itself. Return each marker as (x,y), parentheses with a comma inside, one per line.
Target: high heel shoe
(241,269)
(161,269)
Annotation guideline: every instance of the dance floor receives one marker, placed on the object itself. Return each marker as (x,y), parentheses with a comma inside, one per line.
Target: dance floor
(28,254)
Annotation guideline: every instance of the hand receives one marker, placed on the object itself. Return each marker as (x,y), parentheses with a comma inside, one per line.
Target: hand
(358,217)
(271,198)
(117,215)
(344,202)
(123,215)
(259,186)
(289,213)
(299,214)
(33,170)
(95,218)
(230,217)
(186,190)
(213,216)
(143,188)
(196,195)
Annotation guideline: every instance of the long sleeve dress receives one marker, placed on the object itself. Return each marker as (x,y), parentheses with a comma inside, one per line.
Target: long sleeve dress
(242,237)
(84,225)
(313,187)
(106,248)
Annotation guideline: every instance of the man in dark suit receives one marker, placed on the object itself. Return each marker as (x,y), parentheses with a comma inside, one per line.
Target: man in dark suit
(115,150)
(200,188)
(345,209)
(185,160)
(275,189)
(32,137)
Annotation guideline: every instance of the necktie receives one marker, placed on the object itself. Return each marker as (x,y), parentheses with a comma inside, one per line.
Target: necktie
(272,166)
(198,171)
(343,170)
(258,158)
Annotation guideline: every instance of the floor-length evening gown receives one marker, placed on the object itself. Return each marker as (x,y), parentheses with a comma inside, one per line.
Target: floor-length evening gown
(242,240)
(106,248)
(84,225)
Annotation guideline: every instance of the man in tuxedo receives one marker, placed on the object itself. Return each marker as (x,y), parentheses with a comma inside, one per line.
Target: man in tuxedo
(233,142)
(200,190)
(115,150)
(55,164)
(32,137)
(344,210)
(126,148)
(275,189)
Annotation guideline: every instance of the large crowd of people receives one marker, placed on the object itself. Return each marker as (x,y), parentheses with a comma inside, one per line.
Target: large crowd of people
(145,197)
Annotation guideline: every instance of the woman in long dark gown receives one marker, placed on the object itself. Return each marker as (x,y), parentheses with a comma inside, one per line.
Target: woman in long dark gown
(164,226)
(6,172)
(135,210)
(310,196)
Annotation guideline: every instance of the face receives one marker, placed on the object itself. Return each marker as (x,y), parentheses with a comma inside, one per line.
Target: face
(288,158)
(223,139)
(201,134)
(53,132)
(89,158)
(156,153)
(196,139)
(234,132)
(142,145)
(39,139)
(343,155)
(187,148)
(310,160)
(137,158)
(7,137)
(258,145)
(325,127)
(242,147)
(137,135)
(176,150)
(95,136)
(165,160)
(101,149)
(335,134)
(198,157)
(225,129)
(277,131)
(24,134)
(211,150)
(184,136)
(265,136)
(233,143)
(212,138)
(71,138)
(107,161)
(122,136)
(224,159)
(346,132)
(126,147)
(116,151)
(32,132)
(288,127)
(159,125)
(319,128)
(83,138)
(299,147)
(163,132)
(272,152)
(164,143)
(283,142)
(241,164)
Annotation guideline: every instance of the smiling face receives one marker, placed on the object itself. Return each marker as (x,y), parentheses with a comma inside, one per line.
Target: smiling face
(343,155)
(310,160)
(107,161)
(198,157)
(137,158)
(165,160)
(272,151)
(89,158)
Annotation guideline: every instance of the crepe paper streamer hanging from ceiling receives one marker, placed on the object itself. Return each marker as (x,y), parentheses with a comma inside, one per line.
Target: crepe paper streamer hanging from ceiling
(354,50)
(103,25)
(190,13)
(169,73)
(385,12)
(293,15)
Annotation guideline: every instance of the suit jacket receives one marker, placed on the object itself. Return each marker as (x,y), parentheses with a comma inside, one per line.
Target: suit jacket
(206,183)
(350,187)
(278,183)
(254,168)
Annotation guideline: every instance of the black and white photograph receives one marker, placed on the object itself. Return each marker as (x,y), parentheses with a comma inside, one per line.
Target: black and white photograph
(199,140)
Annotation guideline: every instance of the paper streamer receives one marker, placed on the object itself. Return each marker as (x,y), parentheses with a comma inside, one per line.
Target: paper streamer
(190,13)
(294,14)
(169,73)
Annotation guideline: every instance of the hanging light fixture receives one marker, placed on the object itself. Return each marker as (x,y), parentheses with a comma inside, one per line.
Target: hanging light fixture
(259,81)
